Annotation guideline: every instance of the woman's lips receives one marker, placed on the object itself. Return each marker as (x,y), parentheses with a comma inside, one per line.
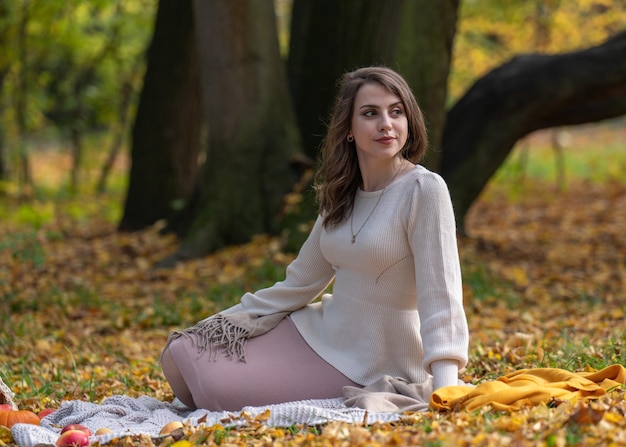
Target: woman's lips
(385,140)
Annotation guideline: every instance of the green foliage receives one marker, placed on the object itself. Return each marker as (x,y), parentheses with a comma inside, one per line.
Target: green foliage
(488,287)
(579,354)
(564,155)
(98,43)
(67,64)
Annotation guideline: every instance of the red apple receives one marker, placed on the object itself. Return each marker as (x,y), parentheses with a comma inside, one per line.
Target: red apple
(76,427)
(45,412)
(73,438)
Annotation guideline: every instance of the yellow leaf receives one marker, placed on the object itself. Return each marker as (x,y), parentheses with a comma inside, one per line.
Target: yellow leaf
(614,418)
(182,443)
(5,435)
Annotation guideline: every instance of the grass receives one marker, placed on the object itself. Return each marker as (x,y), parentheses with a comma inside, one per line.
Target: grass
(588,152)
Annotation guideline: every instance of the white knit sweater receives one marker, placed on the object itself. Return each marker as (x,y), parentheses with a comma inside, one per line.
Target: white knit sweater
(396,304)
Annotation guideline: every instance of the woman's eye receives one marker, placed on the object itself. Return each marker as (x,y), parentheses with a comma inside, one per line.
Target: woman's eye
(397,111)
(369,113)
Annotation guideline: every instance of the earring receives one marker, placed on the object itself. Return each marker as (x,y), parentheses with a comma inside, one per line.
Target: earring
(350,138)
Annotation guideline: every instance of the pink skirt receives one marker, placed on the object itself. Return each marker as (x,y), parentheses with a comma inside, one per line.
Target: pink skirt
(280,367)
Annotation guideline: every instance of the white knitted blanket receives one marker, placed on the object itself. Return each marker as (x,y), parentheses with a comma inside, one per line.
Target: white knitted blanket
(145,415)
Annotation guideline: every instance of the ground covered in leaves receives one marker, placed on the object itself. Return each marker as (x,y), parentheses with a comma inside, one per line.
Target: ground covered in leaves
(85,315)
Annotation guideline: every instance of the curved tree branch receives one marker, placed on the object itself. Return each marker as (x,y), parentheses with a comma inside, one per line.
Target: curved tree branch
(528,93)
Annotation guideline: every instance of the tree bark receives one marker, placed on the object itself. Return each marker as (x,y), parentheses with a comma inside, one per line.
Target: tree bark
(328,38)
(252,137)
(5,67)
(167,133)
(528,93)
(424,56)
(4,168)
(120,128)
(21,97)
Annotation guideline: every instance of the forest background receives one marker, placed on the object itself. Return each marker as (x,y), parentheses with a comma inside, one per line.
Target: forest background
(86,313)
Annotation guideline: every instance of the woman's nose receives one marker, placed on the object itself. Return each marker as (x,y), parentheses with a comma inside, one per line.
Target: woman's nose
(385,122)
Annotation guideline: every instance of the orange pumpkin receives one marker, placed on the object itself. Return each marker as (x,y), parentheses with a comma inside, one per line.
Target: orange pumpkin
(8,418)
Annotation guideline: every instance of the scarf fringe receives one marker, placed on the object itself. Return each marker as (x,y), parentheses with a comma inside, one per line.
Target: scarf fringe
(217,331)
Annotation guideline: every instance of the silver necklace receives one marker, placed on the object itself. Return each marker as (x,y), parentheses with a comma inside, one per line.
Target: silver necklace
(354,235)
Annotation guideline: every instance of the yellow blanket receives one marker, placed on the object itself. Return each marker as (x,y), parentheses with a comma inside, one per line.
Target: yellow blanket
(529,387)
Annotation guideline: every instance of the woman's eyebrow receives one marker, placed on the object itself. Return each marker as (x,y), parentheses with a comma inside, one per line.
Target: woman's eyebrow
(378,107)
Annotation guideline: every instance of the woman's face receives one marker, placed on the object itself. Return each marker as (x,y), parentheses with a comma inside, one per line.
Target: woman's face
(379,124)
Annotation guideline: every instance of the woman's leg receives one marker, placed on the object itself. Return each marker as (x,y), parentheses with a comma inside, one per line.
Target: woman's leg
(280,367)
(175,378)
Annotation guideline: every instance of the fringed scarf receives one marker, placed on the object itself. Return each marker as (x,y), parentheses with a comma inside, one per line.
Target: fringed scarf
(229,332)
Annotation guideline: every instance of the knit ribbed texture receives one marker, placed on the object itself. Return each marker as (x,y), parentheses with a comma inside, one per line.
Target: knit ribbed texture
(129,417)
(396,305)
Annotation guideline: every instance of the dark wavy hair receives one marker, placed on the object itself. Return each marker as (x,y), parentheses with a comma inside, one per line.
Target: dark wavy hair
(338,176)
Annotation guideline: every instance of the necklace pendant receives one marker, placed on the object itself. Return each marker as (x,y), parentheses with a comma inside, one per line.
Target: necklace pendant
(353,238)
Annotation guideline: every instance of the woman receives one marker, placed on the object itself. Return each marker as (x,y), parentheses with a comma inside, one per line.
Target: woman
(386,236)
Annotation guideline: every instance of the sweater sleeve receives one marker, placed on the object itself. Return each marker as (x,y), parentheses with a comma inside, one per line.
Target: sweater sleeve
(432,233)
(307,276)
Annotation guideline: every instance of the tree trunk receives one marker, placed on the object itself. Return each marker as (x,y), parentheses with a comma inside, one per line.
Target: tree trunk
(528,93)
(76,139)
(21,96)
(4,168)
(328,38)
(252,135)
(127,92)
(424,56)
(167,133)
(5,66)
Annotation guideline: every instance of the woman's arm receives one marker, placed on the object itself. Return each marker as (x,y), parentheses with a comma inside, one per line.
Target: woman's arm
(432,233)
